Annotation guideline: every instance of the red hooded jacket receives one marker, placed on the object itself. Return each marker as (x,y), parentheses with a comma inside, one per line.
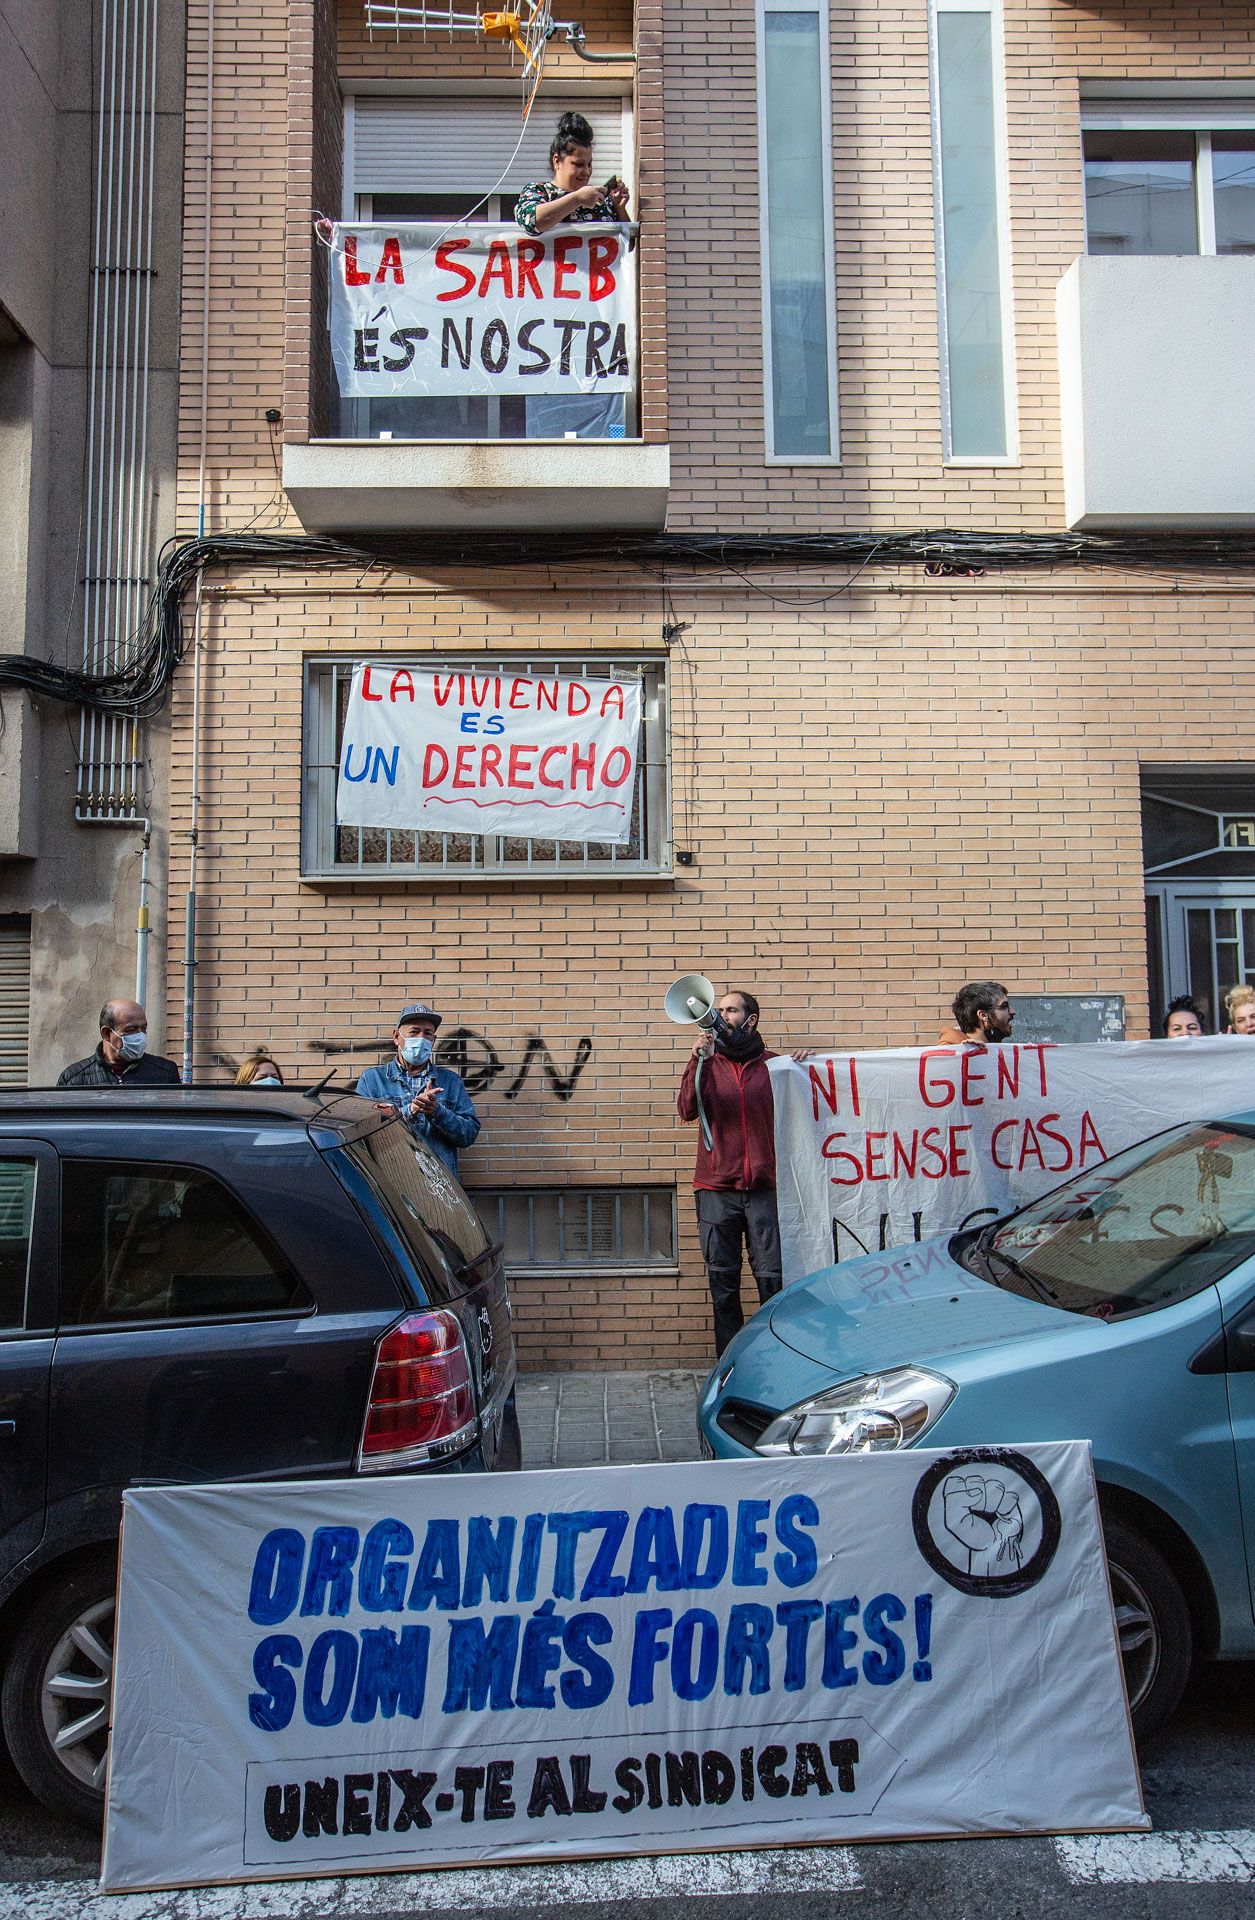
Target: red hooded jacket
(742,1113)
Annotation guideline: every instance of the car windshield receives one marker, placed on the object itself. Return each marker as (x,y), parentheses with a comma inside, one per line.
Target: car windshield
(1150,1226)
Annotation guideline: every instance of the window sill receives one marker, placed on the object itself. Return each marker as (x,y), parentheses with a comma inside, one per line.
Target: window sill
(661,877)
(358,486)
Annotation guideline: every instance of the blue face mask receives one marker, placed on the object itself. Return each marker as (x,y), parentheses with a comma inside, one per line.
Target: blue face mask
(132,1046)
(417,1050)
(268,1080)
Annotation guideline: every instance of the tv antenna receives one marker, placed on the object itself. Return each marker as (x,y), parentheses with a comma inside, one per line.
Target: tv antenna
(527,30)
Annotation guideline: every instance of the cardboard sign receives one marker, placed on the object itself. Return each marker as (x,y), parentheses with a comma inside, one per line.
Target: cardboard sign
(486,309)
(453,750)
(875,1150)
(344,1676)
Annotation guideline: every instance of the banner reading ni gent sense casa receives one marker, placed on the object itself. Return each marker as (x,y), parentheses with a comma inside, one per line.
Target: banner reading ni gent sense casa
(874,1150)
(479,309)
(341,1676)
(457,750)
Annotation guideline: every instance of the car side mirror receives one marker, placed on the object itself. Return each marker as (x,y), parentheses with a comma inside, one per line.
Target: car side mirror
(1232,1350)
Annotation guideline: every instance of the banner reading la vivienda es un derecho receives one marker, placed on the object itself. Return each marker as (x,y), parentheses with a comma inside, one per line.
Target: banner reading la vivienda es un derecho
(458,750)
(874,1150)
(350,1675)
(479,309)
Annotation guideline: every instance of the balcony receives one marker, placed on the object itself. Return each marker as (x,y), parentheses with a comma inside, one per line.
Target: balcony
(485,377)
(1157,391)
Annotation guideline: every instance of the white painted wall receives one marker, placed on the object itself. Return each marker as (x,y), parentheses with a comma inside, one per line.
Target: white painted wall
(1157,390)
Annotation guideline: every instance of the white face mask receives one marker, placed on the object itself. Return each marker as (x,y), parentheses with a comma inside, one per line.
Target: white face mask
(132,1046)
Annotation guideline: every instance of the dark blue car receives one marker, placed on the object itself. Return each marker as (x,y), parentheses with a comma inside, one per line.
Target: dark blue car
(205,1284)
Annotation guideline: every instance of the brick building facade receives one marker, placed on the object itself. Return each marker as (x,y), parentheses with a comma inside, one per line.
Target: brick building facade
(872,787)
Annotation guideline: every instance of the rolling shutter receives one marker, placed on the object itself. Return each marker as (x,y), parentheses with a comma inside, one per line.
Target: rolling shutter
(432,145)
(15,999)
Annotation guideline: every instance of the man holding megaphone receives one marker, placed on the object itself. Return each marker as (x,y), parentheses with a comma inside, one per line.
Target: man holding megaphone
(727,1087)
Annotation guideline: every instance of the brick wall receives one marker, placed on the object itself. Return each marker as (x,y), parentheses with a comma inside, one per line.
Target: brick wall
(887,790)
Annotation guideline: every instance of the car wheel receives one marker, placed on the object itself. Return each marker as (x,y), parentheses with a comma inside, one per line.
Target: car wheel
(1153,1623)
(55,1700)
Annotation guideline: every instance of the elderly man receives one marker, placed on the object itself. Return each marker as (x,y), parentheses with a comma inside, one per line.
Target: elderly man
(122,1059)
(430,1100)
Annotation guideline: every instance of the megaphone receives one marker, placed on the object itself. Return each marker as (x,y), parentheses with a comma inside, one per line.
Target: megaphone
(690,1001)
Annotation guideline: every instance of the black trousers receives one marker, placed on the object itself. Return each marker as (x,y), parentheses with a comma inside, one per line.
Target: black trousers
(725,1222)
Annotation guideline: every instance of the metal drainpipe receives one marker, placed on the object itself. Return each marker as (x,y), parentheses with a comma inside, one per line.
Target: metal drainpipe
(189,919)
(141,924)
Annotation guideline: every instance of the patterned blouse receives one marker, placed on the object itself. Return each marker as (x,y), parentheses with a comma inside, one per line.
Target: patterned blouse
(545,190)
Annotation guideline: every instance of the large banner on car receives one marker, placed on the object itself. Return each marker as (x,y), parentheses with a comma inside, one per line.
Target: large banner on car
(434,309)
(457,750)
(353,1675)
(874,1150)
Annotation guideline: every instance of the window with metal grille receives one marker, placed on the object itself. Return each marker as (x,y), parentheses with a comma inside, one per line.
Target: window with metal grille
(548,1227)
(331,851)
(15,998)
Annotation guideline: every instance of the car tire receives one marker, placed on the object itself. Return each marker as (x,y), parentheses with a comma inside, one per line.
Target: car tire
(55,1701)
(1153,1623)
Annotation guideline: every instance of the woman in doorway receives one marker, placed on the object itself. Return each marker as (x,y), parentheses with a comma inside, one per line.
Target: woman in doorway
(1240,1007)
(1182,1019)
(569,195)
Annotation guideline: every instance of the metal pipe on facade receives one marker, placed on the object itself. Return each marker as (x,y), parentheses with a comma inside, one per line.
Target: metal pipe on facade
(141,923)
(189,921)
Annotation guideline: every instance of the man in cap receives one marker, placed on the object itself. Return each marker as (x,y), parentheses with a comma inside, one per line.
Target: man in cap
(431,1101)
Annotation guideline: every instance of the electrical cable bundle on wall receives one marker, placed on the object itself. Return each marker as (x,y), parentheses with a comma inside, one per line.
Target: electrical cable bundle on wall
(139,684)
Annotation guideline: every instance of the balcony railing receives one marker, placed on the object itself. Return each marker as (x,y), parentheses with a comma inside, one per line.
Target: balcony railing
(1157,390)
(486,376)
(484,332)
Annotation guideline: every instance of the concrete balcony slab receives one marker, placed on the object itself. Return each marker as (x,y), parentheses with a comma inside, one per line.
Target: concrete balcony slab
(1157,391)
(357,486)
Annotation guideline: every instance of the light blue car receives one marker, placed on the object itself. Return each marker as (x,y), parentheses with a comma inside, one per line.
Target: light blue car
(1119,1309)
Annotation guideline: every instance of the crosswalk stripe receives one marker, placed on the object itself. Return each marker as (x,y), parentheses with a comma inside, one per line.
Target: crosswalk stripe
(771,1871)
(1123,1859)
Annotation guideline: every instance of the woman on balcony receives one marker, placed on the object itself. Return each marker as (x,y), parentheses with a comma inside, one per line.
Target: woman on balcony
(569,195)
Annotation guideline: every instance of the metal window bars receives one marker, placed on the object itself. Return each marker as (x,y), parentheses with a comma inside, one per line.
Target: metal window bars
(344,852)
(546,1228)
(117,490)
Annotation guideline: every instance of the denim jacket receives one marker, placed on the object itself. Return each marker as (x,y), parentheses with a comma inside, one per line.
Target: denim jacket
(455,1122)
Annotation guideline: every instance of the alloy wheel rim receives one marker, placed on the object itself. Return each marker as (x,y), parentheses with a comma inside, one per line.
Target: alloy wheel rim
(1138,1632)
(75,1695)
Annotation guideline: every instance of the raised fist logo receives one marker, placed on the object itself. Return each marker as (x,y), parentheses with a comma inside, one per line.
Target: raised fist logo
(983,1514)
(987,1520)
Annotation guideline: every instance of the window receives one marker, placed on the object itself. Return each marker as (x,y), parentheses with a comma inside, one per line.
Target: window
(1169,176)
(969,163)
(581,1227)
(426,1206)
(17,1208)
(369,852)
(141,1243)
(796,227)
(15,998)
(453,160)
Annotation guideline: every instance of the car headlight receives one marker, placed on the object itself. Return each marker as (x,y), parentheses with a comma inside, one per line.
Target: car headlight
(876,1413)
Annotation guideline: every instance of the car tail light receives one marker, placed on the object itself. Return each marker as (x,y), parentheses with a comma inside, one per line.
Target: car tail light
(422,1402)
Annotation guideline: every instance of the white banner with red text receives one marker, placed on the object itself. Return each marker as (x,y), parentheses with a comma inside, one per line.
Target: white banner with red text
(875,1150)
(454,750)
(482,309)
(425,1670)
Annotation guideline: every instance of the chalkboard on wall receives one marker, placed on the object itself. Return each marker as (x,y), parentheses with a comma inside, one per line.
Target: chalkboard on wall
(1066,1017)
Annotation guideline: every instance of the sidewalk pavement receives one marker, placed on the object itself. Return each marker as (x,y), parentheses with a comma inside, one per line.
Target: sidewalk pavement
(589,1419)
